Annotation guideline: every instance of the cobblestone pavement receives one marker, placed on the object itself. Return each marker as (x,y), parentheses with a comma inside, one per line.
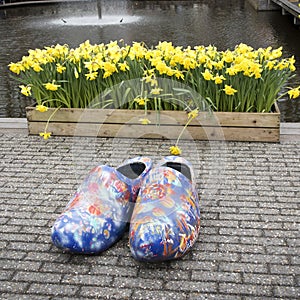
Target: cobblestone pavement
(249,242)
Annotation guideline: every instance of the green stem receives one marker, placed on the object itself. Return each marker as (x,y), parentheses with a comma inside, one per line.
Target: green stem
(185,126)
(51,116)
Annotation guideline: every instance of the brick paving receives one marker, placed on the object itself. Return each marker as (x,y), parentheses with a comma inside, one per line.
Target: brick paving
(249,242)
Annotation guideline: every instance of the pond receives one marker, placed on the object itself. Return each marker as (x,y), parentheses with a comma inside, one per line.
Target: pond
(220,23)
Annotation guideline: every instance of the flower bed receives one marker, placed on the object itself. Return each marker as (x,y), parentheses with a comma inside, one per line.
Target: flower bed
(160,78)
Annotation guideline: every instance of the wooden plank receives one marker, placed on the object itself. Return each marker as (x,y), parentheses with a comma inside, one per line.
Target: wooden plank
(120,116)
(152,131)
(105,130)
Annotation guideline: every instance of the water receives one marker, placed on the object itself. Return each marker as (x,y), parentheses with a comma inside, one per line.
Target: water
(220,23)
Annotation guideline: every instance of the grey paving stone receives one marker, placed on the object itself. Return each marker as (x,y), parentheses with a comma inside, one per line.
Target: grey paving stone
(215,256)
(216,276)
(266,279)
(9,254)
(158,295)
(52,289)
(105,293)
(165,274)
(243,267)
(13,296)
(285,270)
(9,264)
(248,246)
(64,268)
(6,275)
(245,289)
(287,291)
(205,296)
(261,258)
(36,277)
(141,283)
(12,287)
(91,280)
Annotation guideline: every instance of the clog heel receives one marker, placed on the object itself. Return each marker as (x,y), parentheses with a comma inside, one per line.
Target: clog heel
(96,216)
(166,218)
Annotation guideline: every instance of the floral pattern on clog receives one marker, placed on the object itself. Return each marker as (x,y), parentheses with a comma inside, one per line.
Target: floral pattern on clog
(166,219)
(97,214)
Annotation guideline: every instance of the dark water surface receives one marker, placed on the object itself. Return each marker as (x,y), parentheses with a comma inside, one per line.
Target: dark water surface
(217,22)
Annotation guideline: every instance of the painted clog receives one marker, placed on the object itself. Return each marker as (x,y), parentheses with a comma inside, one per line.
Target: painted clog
(166,218)
(96,216)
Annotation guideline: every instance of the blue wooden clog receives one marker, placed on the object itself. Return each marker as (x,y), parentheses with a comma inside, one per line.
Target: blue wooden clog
(166,218)
(96,216)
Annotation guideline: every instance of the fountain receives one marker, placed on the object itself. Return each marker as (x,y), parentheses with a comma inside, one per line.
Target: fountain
(97,16)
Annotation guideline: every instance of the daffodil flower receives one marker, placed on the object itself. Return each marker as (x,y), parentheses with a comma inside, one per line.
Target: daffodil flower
(25,90)
(16,68)
(140,101)
(145,121)
(294,93)
(207,75)
(60,69)
(229,90)
(193,114)
(41,108)
(45,135)
(156,91)
(91,76)
(76,74)
(51,86)
(219,79)
(175,150)
(123,66)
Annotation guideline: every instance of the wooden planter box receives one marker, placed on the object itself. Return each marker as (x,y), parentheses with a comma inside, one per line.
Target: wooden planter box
(264,127)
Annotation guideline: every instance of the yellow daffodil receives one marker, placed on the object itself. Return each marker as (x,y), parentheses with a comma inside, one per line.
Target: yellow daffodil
(45,135)
(91,76)
(204,69)
(16,68)
(229,90)
(156,91)
(37,68)
(76,74)
(291,62)
(228,56)
(175,150)
(161,67)
(231,71)
(270,64)
(140,101)
(41,108)
(25,90)
(219,79)
(178,74)
(51,86)
(193,114)
(207,75)
(109,67)
(218,65)
(145,121)
(189,63)
(60,68)
(276,53)
(294,93)
(123,66)
(153,82)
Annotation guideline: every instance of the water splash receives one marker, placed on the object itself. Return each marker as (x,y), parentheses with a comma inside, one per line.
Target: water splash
(95,21)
